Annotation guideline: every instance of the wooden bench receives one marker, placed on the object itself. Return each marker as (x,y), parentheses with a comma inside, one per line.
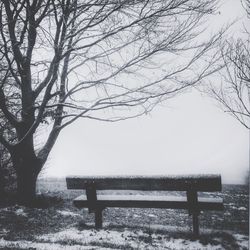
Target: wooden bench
(190,184)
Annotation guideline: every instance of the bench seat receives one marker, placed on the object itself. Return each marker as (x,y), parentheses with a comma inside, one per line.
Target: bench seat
(153,201)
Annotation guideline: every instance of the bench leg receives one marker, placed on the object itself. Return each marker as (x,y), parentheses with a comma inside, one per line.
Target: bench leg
(196,224)
(98,218)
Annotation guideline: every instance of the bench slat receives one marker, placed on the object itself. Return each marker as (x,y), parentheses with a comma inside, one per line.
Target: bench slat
(206,183)
(145,201)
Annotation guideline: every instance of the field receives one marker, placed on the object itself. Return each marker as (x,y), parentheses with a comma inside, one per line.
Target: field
(61,226)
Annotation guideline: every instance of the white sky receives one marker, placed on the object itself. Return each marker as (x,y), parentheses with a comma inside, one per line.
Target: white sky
(190,134)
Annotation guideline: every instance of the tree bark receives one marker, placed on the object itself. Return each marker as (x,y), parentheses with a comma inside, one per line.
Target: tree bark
(26,185)
(27,169)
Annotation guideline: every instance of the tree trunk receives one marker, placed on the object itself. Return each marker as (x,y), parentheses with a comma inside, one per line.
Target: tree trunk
(26,186)
(27,167)
(27,170)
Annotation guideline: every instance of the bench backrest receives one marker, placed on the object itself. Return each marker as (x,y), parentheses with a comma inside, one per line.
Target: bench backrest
(206,183)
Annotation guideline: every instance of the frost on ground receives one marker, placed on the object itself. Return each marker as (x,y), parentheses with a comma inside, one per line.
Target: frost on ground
(243,240)
(140,239)
(74,238)
(20,212)
(68,213)
(62,226)
(126,239)
(42,246)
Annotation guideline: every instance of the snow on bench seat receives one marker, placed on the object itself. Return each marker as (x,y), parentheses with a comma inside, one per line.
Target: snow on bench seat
(154,201)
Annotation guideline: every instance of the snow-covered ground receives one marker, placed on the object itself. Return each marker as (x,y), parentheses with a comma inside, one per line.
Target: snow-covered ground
(61,226)
(73,238)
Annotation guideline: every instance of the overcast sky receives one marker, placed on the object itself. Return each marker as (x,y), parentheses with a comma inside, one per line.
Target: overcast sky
(189,134)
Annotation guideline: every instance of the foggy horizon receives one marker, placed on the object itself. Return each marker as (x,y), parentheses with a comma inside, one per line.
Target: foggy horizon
(188,135)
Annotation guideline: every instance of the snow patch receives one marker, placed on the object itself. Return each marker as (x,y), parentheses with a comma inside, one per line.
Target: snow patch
(67,213)
(242,208)
(136,215)
(152,215)
(126,239)
(20,212)
(4,232)
(74,239)
(242,240)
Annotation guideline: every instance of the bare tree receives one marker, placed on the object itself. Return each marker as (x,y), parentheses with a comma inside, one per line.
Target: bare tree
(7,174)
(233,92)
(246,5)
(96,59)
(7,177)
